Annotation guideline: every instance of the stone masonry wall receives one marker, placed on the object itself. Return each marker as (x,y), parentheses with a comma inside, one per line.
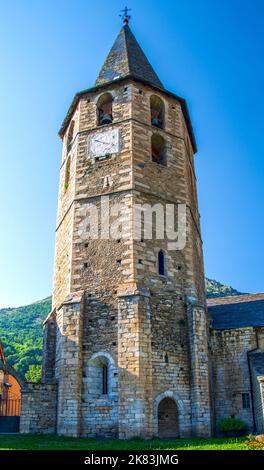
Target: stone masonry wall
(49,349)
(135,366)
(65,218)
(258,396)
(130,170)
(100,346)
(69,366)
(260,407)
(101,265)
(231,375)
(170,356)
(38,409)
(199,369)
(173,183)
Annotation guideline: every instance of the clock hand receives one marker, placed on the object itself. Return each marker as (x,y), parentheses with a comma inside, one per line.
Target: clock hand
(107,145)
(100,141)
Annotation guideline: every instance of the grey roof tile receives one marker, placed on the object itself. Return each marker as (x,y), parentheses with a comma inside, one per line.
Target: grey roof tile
(238,314)
(126,58)
(232,299)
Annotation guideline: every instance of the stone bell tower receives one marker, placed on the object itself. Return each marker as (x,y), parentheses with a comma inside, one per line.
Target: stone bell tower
(126,342)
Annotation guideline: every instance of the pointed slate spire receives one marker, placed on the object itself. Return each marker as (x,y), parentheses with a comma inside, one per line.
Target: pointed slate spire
(127,58)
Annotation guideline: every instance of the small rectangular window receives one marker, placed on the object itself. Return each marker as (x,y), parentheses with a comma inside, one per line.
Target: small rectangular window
(245,400)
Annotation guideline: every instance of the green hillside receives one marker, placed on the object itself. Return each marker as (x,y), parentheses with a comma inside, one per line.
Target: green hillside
(216,289)
(21,330)
(21,335)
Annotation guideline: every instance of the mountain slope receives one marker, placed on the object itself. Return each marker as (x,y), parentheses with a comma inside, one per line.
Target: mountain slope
(216,289)
(21,334)
(21,329)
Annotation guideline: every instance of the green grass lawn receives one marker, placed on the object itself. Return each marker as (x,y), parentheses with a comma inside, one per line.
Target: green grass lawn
(33,442)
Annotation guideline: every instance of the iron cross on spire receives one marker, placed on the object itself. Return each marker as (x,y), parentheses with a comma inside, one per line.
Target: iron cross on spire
(125,17)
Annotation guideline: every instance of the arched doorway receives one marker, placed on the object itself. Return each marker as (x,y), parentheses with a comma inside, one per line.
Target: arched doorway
(168,419)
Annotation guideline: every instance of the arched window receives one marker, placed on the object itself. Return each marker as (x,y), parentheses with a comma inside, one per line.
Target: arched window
(161,263)
(158,149)
(99,376)
(157,111)
(67,174)
(104,109)
(70,136)
(104,379)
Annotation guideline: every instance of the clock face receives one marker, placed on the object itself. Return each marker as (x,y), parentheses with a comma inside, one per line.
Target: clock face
(102,144)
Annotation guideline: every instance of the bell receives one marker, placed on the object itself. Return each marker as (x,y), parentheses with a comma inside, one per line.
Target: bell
(155,121)
(106,119)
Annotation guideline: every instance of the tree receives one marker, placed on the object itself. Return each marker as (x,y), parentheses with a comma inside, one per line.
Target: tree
(34,373)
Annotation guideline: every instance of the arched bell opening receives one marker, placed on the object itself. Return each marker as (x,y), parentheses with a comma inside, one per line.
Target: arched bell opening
(157,112)
(67,173)
(158,150)
(105,109)
(70,136)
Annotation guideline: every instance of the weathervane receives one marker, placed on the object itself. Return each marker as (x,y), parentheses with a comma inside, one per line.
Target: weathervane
(125,17)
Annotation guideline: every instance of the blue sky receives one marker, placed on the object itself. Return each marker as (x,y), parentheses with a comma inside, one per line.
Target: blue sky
(210,52)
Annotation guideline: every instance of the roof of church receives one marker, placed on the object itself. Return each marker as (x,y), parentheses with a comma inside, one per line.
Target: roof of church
(126,58)
(238,311)
(257,361)
(234,299)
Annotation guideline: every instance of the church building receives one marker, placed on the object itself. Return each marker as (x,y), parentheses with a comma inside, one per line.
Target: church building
(131,348)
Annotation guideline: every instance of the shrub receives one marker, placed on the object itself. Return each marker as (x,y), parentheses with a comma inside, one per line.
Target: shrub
(232,424)
(255,442)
